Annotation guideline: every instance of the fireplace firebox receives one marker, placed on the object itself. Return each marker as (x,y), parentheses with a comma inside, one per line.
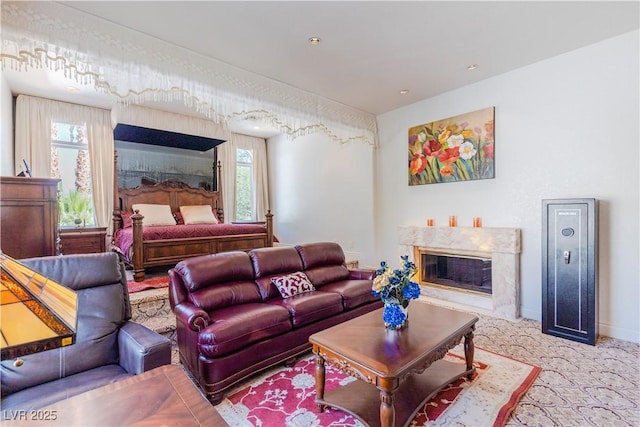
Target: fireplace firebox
(500,245)
(456,271)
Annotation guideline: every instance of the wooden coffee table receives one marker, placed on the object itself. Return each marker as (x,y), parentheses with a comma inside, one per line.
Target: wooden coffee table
(164,396)
(397,371)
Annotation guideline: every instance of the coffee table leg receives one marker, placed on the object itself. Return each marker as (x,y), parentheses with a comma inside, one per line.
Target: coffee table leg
(387,411)
(469,350)
(320,381)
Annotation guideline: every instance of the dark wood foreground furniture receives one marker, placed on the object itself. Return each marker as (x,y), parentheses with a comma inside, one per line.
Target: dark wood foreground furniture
(28,216)
(155,253)
(164,396)
(398,371)
(83,240)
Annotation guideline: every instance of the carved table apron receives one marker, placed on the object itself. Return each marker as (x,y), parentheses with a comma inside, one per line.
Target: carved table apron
(397,371)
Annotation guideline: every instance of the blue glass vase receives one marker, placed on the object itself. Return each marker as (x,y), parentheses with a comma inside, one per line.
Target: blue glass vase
(394,315)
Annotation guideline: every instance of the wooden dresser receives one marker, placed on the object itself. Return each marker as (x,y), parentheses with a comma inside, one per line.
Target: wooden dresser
(28,216)
(82,240)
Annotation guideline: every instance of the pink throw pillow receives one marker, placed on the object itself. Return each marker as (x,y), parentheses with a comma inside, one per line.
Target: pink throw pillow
(293,284)
(126,219)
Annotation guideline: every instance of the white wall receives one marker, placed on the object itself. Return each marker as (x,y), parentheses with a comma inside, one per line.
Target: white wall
(6,128)
(322,191)
(566,127)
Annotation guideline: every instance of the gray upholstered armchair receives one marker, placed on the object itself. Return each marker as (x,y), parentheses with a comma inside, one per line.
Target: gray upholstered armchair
(108,345)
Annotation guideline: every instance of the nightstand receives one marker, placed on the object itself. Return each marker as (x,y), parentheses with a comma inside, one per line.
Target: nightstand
(82,240)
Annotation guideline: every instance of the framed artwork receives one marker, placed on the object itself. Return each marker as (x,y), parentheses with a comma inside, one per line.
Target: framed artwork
(460,148)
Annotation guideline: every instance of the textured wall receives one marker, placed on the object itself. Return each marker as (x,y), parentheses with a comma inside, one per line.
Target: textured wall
(323,191)
(566,127)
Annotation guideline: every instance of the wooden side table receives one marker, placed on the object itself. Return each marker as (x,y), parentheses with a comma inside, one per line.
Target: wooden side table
(83,240)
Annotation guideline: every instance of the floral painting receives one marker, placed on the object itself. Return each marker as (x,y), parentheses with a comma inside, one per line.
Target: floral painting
(459,148)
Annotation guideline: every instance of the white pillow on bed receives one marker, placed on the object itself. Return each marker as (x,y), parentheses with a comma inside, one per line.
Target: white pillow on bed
(198,214)
(155,214)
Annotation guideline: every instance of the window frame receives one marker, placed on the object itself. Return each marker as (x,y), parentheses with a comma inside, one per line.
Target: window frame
(78,145)
(252,180)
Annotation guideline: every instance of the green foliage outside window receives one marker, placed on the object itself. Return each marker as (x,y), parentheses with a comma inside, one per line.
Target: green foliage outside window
(76,208)
(244,185)
(244,205)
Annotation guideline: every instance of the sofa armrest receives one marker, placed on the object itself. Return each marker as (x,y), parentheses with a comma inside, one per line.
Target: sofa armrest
(362,274)
(196,318)
(142,349)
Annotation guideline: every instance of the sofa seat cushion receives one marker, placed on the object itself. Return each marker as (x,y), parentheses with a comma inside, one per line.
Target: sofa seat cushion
(241,325)
(54,391)
(353,292)
(310,306)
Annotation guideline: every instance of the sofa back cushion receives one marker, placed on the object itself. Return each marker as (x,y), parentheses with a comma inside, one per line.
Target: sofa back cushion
(323,262)
(103,307)
(219,280)
(273,262)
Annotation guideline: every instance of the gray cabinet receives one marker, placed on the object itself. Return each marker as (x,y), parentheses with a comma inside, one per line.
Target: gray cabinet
(569,269)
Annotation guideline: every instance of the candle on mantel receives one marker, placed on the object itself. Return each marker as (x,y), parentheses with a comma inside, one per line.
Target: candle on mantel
(453,221)
(430,222)
(477,222)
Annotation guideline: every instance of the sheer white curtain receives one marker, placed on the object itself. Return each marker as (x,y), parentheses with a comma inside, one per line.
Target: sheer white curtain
(33,135)
(258,146)
(139,70)
(164,120)
(34,117)
(227,155)
(101,149)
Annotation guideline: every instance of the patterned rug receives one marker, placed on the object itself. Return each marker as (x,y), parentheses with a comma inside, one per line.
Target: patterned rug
(153,283)
(285,396)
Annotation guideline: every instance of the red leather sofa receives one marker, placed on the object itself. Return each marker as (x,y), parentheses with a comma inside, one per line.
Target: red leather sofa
(233,322)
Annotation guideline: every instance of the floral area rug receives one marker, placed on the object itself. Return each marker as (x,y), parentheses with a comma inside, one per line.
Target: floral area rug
(285,396)
(153,283)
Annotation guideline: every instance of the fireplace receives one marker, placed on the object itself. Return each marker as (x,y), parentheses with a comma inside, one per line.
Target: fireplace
(466,273)
(493,252)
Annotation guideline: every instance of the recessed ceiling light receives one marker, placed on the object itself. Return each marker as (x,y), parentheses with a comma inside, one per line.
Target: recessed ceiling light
(472,67)
(404,91)
(71,89)
(314,40)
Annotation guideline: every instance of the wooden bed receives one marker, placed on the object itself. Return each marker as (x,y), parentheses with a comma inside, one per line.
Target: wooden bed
(147,253)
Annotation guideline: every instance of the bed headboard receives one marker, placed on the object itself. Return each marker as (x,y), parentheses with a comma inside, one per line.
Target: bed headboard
(172,193)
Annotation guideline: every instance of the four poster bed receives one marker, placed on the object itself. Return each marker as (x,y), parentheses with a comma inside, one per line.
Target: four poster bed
(144,246)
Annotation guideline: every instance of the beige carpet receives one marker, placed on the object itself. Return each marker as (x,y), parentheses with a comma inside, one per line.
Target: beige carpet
(580,385)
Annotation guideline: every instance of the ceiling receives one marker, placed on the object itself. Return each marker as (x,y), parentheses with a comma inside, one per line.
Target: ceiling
(369,51)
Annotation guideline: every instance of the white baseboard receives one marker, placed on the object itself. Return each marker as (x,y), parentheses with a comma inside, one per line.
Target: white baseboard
(624,334)
(604,329)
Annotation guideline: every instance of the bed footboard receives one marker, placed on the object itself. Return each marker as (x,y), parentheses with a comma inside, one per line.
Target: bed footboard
(168,252)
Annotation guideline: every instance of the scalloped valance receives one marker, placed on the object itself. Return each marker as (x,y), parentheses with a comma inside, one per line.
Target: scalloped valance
(133,69)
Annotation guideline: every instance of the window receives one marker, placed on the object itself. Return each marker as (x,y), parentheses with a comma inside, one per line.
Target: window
(245,187)
(70,163)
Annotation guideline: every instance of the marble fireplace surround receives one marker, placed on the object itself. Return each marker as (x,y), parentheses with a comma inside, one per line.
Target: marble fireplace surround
(502,245)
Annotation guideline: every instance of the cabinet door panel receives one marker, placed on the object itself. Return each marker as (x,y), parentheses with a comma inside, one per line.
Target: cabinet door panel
(28,216)
(569,269)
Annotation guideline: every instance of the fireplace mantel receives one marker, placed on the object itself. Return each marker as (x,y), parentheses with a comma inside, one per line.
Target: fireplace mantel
(501,244)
